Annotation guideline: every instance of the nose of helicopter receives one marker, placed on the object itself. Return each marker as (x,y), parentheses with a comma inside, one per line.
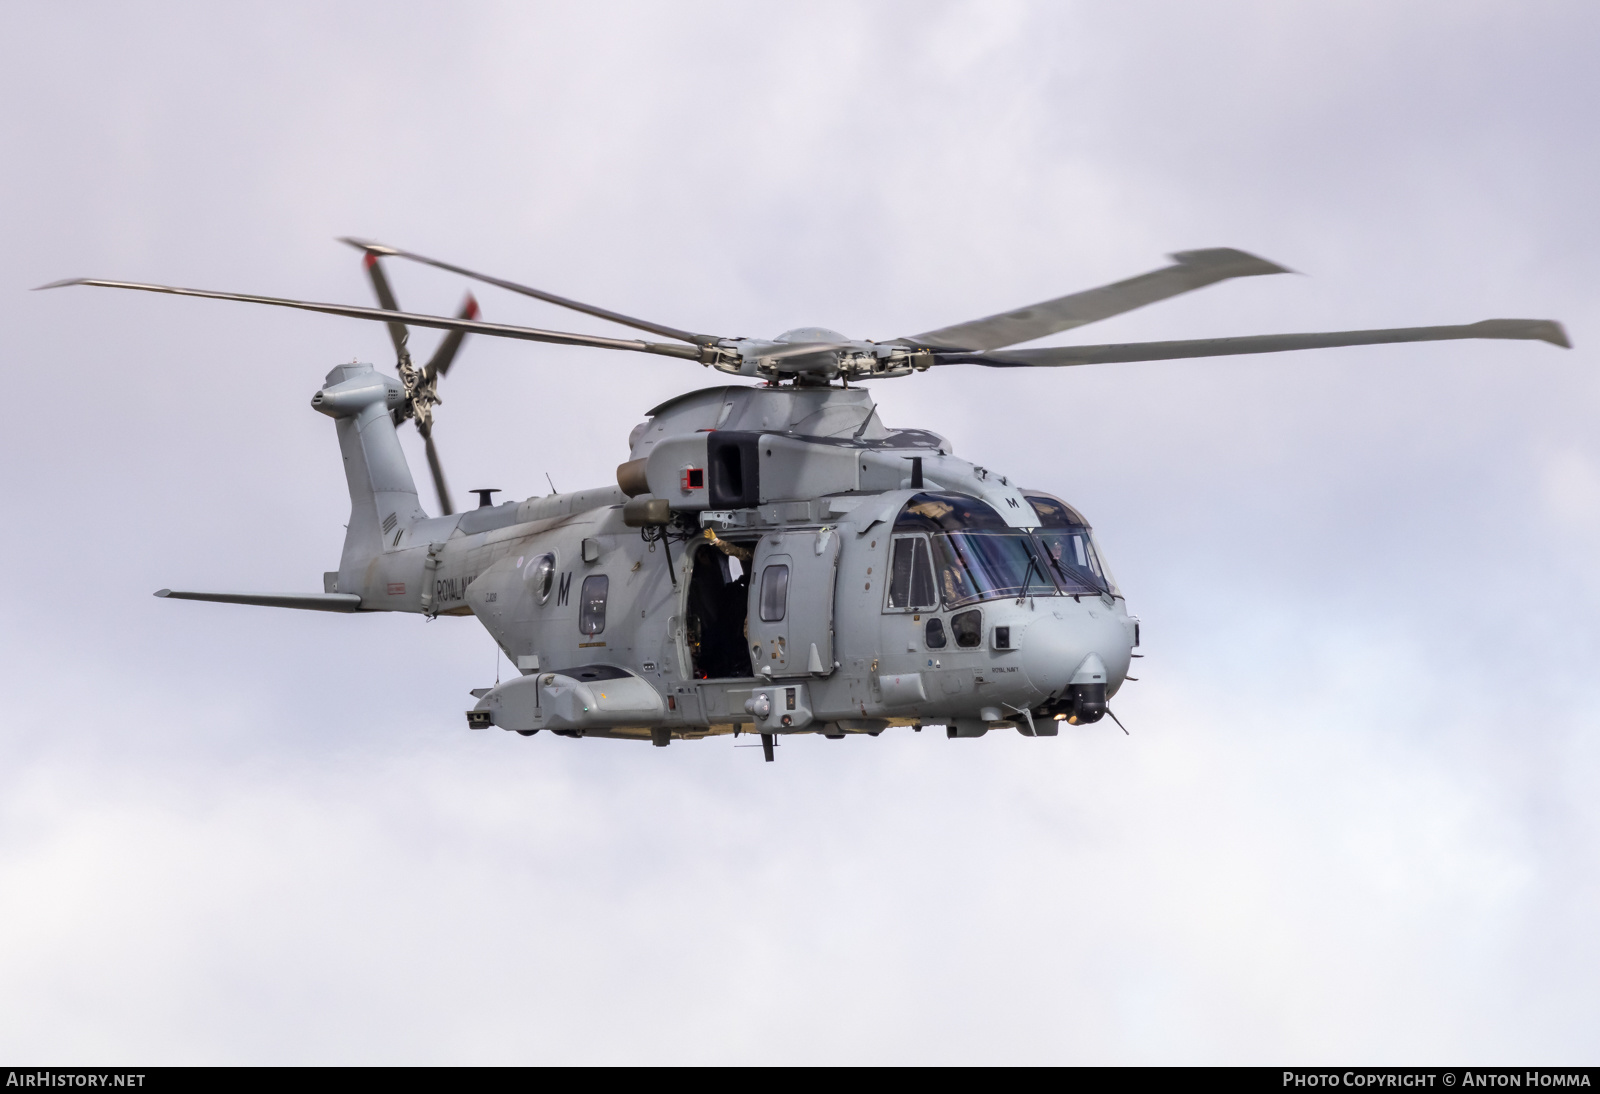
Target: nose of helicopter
(1076,643)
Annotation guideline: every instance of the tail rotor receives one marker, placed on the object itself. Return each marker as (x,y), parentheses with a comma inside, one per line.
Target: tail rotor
(422,392)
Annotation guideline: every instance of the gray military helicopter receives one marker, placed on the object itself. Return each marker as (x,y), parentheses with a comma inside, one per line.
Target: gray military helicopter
(772,559)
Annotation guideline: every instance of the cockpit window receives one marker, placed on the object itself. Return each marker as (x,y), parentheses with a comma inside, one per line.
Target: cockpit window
(984,565)
(1073,561)
(968,628)
(1055,513)
(1069,546)
(977,556)
(948,513)
(911,583)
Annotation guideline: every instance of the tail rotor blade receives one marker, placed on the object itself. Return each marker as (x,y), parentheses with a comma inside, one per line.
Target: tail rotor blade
(439,363)
(437,469)
(398,333)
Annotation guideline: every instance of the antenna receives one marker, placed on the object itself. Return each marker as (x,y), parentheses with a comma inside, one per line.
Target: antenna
(553,489)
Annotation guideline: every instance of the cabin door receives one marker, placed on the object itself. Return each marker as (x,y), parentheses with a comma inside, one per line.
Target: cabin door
(791,603)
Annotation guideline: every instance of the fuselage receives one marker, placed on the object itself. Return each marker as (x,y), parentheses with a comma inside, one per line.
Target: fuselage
(865,578)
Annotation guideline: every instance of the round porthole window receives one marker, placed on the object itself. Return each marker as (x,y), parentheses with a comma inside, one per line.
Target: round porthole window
(541,576)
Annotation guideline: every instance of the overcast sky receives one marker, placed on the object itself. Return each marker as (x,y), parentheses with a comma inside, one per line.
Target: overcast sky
(1356,819)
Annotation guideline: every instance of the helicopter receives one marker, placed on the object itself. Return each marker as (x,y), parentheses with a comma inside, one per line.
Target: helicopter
(772,558)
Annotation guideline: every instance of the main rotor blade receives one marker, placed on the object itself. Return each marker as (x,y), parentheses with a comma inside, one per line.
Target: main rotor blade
(380,285)
(438,322)
(1193,270)
(374,248)
(439,363)
(437,468)
(1543,330)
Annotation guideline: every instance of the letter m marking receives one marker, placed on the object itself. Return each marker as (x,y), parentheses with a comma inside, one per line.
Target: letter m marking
(564,588)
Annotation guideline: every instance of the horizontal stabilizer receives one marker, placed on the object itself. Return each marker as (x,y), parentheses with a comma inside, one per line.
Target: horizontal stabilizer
(316,602)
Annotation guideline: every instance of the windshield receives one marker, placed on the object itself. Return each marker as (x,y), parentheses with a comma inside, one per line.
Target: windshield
(1069,547)
(984,565)
(1073,561)
(977,556)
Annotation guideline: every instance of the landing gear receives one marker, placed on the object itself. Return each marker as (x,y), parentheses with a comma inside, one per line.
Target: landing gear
(766,746)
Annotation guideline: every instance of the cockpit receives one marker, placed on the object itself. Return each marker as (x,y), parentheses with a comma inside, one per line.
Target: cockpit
(949,550)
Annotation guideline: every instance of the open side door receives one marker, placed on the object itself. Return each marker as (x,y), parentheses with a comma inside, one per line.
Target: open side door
(791,603)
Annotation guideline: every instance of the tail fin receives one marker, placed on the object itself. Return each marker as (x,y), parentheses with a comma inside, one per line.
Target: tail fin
(383,497)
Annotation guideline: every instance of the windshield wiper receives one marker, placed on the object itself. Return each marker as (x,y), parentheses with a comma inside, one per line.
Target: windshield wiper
(1027,577)
(1076,579)
(1056,562)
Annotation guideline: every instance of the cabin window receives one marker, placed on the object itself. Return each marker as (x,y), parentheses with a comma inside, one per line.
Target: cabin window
(933,634)
(774,593)
(968,628)
(541,574)
(592,604)
(911,582)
